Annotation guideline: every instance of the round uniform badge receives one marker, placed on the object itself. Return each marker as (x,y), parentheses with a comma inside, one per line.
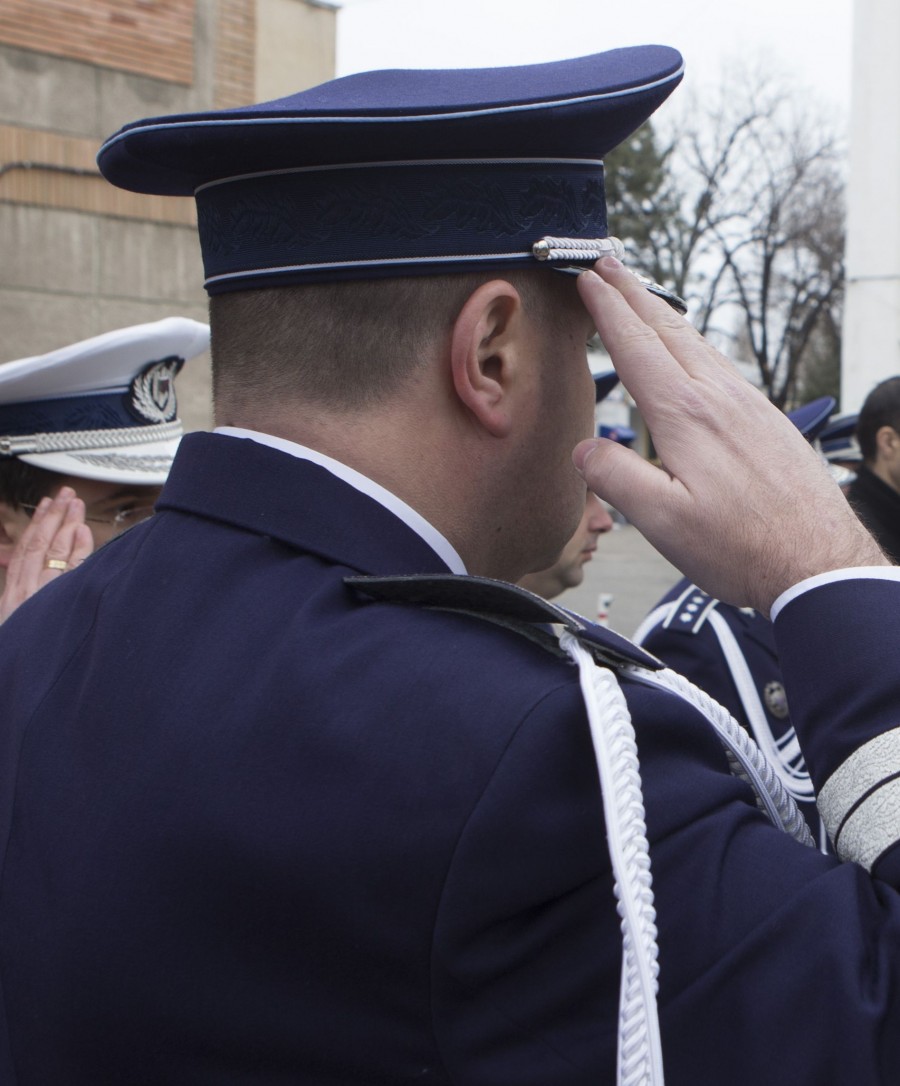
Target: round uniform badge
(776,700)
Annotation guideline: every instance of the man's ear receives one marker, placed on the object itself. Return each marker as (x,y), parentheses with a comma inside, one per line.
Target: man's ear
(887,443)
(485,353)
(12,523)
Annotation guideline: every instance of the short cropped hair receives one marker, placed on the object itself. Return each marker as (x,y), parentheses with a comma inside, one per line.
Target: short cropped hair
(23,484)
(881,408)
(348,344)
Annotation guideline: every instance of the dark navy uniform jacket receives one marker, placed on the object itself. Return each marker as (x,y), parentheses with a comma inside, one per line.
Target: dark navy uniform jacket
(730,652)
(258,829)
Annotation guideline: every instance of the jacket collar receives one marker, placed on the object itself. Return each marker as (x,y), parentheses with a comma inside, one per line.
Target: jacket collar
(301,504)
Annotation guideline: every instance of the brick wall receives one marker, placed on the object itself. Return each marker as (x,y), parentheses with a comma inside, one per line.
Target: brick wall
(79,256)
(150,37)
(235,53)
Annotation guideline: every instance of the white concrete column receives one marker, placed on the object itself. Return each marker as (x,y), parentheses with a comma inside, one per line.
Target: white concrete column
(871,335)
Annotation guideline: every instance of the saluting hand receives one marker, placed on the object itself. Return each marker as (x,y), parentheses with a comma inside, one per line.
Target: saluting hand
(56,540)
(742,505)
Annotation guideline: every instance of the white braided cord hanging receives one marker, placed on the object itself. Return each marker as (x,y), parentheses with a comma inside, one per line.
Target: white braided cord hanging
(795,781)
(639,1059)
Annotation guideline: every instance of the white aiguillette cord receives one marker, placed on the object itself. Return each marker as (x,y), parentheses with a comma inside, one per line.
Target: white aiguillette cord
(639,1060)
(640,1049)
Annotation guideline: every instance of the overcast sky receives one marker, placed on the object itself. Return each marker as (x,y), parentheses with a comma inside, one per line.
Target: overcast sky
(806,41)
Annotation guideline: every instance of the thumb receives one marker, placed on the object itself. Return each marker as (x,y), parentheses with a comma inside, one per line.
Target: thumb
(620,476)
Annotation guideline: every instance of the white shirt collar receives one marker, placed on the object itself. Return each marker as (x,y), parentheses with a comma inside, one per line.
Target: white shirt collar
(438,543)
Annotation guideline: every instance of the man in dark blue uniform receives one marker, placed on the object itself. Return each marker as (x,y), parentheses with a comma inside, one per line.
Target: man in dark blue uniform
(268,820)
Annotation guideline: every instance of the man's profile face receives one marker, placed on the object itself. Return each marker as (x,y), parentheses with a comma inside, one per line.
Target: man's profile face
(568,570)
(887,461)
(581,547)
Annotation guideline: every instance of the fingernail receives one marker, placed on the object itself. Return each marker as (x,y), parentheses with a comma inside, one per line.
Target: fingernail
(582,451)
(610,263)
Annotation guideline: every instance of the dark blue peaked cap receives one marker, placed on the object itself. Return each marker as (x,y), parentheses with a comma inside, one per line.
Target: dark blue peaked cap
(838,439)
(812,417)
(604,383)
(402,172)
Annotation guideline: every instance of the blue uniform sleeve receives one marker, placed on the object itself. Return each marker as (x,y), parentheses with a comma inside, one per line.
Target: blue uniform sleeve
(777,964)
(846,710)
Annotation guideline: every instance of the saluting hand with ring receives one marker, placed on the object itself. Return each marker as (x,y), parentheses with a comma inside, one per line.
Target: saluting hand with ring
(56,540)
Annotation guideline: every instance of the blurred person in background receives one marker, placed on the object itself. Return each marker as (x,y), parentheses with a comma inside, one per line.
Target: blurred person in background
(875,492)
(838,445)
(568,570)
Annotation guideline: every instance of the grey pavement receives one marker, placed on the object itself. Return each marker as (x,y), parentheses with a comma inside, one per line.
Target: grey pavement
(626,567)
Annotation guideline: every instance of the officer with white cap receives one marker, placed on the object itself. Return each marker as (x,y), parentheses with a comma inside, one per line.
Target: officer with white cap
(87,436)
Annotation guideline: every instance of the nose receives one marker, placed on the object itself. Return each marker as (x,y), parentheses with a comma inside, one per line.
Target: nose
(599,520)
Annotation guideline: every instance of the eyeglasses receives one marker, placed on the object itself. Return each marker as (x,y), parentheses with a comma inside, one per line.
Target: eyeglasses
(120,518)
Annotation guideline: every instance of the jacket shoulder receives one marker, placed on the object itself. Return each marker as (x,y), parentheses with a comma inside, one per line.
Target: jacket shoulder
(507,605)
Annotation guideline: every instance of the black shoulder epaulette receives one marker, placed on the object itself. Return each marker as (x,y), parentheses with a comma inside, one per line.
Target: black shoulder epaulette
(509,606)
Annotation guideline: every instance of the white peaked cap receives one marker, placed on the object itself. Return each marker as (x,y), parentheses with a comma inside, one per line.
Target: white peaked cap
(103,408)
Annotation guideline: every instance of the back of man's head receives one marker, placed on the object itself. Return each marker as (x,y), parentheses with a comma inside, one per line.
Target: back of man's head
(881,409)
(389,259)
(347,345)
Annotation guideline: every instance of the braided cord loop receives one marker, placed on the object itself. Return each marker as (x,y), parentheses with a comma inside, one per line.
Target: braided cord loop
(639,1057)
(639,1060)
(747,761)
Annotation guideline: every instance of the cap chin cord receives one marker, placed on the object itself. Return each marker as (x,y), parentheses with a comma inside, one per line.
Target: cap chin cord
(76,440)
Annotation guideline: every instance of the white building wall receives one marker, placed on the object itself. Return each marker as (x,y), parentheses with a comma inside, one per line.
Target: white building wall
(871,335)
